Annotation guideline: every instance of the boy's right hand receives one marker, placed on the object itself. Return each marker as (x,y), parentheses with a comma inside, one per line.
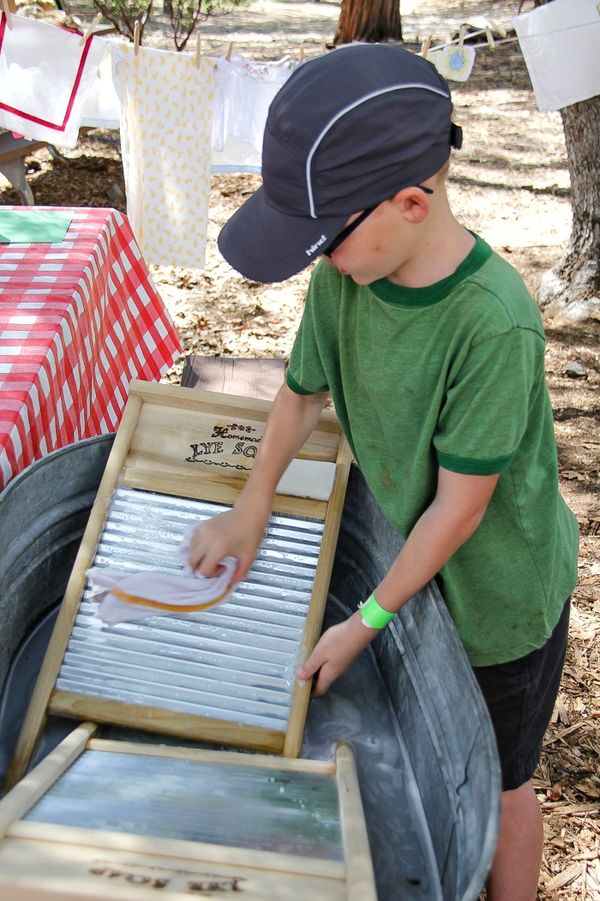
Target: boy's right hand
(237,532)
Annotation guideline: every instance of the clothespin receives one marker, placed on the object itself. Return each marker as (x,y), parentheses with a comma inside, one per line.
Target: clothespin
(490,38)
(461,36)
(7,13)
(137,31)
(198,53)
(91,28)
(425,46)
(499,29)
(229,52)
(302,52)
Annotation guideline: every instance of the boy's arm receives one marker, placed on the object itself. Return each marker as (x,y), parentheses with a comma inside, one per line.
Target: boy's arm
(239,531)
(452,517)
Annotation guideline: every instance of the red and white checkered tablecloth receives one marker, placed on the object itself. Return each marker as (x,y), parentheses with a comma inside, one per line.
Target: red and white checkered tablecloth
(78,320)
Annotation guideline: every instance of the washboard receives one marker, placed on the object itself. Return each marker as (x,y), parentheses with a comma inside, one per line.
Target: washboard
(118,821)
(224,675)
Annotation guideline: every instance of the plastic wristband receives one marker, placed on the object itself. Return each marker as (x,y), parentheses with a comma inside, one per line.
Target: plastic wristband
(373,615)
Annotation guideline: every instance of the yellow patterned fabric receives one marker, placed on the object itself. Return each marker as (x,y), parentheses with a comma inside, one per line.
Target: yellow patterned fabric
(166,121)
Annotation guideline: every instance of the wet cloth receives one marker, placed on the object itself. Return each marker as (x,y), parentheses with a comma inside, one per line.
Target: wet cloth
(125,596)
(166,117)
(45,74)
(244,90)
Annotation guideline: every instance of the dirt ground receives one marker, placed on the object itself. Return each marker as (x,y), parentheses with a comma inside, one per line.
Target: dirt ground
(510,183)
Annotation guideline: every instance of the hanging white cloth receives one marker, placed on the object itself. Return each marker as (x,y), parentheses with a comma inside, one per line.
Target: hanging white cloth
(560,42)
(45,74)
(101,106)
(166,120)
(244,90)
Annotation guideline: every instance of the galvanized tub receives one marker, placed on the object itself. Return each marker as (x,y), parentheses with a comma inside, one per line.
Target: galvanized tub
(410,706)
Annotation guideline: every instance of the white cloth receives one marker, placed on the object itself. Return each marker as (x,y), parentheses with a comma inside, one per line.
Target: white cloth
(173,591)
(244,90)
(166,120)
(560,42)
(101,106)
(45,73)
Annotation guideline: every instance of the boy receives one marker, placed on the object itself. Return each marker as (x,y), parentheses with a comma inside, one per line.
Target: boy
(433,353)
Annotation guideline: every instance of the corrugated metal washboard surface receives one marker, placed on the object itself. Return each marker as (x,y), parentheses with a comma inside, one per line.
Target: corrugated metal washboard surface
(226,804)
(235,661)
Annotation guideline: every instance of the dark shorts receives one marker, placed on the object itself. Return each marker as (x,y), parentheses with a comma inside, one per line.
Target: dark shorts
(520,697)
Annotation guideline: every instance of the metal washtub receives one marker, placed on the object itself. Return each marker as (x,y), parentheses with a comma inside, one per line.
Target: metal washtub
(410,706)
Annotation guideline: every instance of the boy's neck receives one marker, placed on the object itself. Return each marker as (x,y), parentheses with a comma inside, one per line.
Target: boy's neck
(442,246)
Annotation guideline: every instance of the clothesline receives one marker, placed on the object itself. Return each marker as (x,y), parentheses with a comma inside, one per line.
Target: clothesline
(179,117)
(208,112)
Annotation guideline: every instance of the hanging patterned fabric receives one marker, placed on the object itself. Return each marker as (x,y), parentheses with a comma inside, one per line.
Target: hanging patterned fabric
(45,73)
(166,119)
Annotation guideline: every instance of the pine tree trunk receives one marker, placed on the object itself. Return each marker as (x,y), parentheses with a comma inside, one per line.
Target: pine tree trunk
(573,286)
(368,20)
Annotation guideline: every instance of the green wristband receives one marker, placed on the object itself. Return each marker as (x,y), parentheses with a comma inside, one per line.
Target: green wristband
(373,615)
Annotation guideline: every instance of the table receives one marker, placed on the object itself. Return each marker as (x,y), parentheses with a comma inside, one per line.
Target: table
(78,320)
(12,162)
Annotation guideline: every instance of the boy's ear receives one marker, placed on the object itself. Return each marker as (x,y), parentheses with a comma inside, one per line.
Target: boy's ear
(412,204)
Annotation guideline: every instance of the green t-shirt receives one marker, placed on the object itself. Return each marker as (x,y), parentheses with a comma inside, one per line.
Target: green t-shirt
(452,375)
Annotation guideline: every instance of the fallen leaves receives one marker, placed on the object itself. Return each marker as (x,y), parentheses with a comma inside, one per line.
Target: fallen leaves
(570,474)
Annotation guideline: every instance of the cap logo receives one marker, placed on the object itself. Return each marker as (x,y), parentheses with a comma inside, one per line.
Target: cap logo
(348,109)
(314,247)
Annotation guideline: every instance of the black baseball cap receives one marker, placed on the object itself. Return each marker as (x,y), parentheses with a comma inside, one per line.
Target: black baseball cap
(346,131)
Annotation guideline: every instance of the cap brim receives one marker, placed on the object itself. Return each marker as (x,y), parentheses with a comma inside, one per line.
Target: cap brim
(265,245)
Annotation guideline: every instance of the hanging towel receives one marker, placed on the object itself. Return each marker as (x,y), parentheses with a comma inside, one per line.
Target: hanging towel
(101,107)
(244,90)
(560,43)
(124,596)
(45,73)
(166,119)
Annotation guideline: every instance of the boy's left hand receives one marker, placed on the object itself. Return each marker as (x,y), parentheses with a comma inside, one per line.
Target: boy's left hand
(337,648)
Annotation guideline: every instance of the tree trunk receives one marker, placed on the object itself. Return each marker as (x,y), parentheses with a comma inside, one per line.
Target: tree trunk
(573,286)
(368,20)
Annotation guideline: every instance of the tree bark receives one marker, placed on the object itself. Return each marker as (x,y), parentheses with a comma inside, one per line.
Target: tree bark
(368,20)
(573,286)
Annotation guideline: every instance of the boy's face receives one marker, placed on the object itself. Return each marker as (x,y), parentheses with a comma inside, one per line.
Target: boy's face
(359,254)
(383,240)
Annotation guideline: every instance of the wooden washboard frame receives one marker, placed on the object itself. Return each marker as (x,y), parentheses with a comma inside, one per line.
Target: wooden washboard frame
(152,452)
(54,852)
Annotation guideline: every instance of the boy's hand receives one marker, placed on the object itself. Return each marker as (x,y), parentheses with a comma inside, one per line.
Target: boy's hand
(237,532)
(337,648)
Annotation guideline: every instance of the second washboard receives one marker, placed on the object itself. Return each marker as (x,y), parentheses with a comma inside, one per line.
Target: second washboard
(117,821)
(224,675)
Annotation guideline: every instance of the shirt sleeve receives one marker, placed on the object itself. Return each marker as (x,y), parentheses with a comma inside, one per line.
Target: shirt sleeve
(306,372)
(485,410)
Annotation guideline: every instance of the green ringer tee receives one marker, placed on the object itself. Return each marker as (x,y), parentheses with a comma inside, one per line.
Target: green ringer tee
(452,375)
